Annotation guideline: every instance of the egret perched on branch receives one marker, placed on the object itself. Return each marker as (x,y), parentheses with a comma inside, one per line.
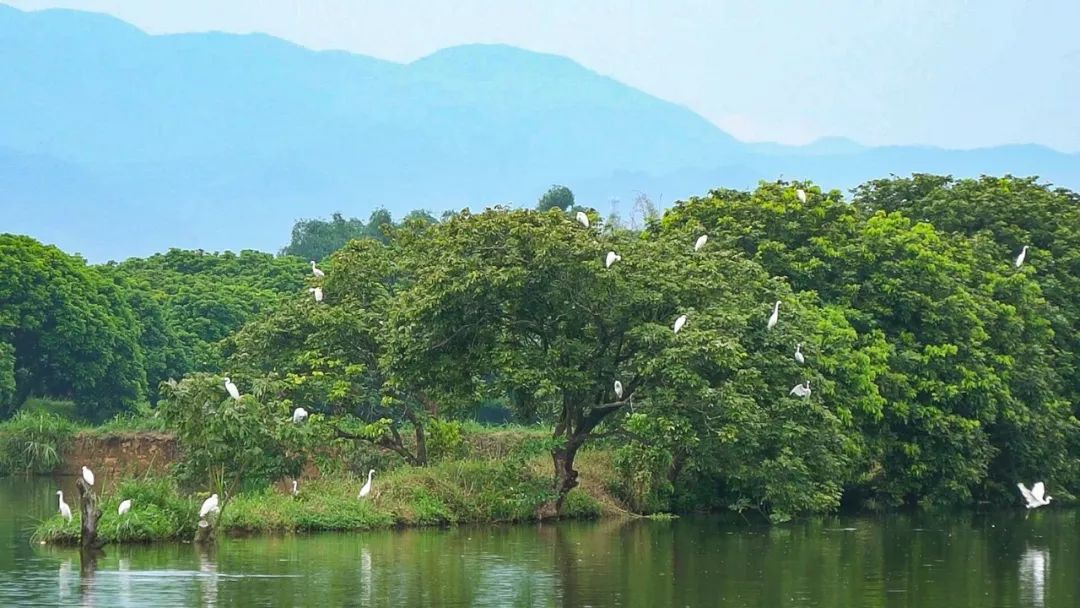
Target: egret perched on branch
(124,507)
(701,240)
(679,323)
(233,391)
(88,476)
(315,270)
(798,354)
(318,293)
(618,389)
(65,510)
(299,415)
(210,505)
(612,257)
(584,219)
(775,316)
(1036,496)
(1020,258)
(364,491)
(801,390)
(801,195)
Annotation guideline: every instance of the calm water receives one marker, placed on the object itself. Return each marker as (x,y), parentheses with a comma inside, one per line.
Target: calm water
(1002,559)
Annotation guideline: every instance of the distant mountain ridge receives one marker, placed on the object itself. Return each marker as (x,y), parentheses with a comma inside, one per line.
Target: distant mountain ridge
(119,143)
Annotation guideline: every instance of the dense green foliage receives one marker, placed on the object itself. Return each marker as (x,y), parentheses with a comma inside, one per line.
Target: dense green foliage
(33,442)
(316,239)
(557,197)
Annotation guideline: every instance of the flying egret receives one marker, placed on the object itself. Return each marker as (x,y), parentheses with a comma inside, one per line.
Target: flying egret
(801,195)
(1036,496)
(1020,258)
(295,489)
(65,510)
(210,505)
(316,271)
(88,476)
(364,491)
(798,354)
(618,389)
(233,391)
(679,323)
(775,316)
(584,219)
(612,257)
(124,507)
(701,240)
(801,390)
(318,293)
(299,415)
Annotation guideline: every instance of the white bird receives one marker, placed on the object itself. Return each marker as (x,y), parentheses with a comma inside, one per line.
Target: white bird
(618,389)
(801,195)
(318,293)
(364,491)
(679,323)
(315,270)
(1020,258)
(612,257)
(124,507)
(295,489)
(775,316)
(210,505)
(65,510)
(701,240)
(299,415)
(1036,496)
(233,391)
(800,390)
(798,354)
(584,219)
(88,476)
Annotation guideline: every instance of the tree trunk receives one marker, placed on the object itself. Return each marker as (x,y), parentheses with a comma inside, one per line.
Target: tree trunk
(205,534)
(566,478)
(88,506)
(421,444)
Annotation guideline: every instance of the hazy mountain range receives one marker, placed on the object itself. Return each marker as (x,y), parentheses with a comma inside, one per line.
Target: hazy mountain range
(115,143)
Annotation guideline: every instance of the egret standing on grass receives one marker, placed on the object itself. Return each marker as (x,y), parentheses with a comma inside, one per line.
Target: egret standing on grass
(315,270)
(65,510)
(679,323)
(618,389)
(295,488)
(210,505)
(318,293)
(1023,256)
(1036,496)
(798,354)
(775,316)
(88,476)
(612,257)
(124,507)
(701,240)
(233,391)
(364,491)
(584,219)
(801,195)
(299,415)
(800,390)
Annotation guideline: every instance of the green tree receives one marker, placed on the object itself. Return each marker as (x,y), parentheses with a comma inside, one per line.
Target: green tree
(557,197)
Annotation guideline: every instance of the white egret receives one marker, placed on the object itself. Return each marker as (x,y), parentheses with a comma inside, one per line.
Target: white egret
(612,257)
(679,323)
(775,316)
(210,505)
(318,293)
(295,488)
(618,389)
(299,415)
(124,507)
(88,476)
(584,219)
(315,270)
(233,391)
(801,390)
(798,354)
(364,491)
(1036,496)
(701,240)
(1023,256)
(65,510)
(801,195)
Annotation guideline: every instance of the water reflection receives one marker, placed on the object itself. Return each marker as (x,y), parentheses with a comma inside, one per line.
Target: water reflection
(365,576)
(208,580)
(1034,565)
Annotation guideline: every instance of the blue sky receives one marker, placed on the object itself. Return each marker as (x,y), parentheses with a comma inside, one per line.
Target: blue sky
(945,72)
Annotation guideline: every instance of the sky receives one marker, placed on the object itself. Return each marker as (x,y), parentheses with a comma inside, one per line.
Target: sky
(952,73)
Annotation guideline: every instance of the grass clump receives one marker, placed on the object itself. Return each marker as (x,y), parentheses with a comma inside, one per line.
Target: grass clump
(34,442)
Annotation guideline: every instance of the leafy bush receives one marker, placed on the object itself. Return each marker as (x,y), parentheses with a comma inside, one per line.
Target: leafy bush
(34,442)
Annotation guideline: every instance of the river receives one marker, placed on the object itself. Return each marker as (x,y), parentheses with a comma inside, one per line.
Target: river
(1001,559)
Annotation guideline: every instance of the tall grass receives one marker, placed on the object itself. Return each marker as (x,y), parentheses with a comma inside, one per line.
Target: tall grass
(34,442)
